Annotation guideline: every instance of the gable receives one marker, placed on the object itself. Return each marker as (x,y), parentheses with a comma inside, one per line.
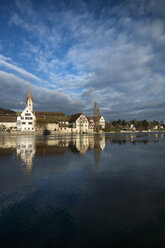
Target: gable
(27,112)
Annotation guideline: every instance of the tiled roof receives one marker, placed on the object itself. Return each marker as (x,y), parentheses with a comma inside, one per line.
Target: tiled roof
(74,117)
(8,118)
(53,119)
(40,113)
(93,117)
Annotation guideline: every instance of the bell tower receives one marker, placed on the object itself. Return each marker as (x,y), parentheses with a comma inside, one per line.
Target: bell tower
(29,99)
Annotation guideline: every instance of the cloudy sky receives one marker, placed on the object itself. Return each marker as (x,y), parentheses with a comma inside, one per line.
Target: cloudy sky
(80,51)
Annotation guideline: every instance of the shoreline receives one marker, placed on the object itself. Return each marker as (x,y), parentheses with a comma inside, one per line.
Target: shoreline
(39,133)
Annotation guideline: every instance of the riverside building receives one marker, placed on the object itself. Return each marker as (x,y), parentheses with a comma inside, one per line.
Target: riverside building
(30,121)
(26,119)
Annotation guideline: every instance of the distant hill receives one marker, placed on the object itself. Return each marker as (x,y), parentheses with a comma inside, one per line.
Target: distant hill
(7,112)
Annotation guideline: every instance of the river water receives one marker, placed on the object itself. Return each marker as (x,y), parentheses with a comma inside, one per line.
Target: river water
(82,191)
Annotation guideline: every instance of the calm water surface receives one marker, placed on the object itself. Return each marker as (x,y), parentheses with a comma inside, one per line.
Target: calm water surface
(98,191)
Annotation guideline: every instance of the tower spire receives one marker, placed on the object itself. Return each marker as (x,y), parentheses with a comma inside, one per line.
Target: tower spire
(29,93)
(29,99)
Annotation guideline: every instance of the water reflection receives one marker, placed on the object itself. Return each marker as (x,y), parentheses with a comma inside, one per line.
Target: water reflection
(25,149)
(67,198)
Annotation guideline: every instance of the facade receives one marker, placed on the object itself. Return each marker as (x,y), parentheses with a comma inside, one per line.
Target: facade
(102,122)
(79,123)
(26,120)
(93,120)
(7,122)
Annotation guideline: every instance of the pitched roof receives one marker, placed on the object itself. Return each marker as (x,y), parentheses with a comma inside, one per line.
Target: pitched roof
(74,117)
(41,113)
(93,117)
(53,119)
(8,118)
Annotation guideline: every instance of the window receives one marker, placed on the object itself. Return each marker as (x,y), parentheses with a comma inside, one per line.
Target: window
(28,114)
(28,118)
(23,123)
(22,118)
(30,123)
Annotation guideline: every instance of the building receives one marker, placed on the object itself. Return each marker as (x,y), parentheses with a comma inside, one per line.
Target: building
(79,123)
(26,119)
(93,120)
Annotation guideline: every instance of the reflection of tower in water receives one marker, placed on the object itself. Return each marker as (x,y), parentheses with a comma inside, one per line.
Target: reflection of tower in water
(25,149)
(82,143)
(99,146)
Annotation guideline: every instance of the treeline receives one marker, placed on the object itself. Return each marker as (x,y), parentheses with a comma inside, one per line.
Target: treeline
(133,125)
(7,112)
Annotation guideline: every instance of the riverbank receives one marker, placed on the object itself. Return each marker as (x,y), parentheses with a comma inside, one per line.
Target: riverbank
(40,133)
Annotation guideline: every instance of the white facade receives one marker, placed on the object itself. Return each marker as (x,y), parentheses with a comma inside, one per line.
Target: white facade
(102,122)
(25,149)
(26,122)
(81,124)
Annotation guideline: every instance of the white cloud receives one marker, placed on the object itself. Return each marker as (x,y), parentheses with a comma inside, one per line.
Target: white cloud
(115,57)
(4,63)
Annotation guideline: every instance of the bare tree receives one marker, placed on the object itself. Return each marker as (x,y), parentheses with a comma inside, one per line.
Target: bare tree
(96,116)
(96,109)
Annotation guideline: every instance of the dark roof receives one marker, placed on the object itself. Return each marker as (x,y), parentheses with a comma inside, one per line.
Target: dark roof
(93,117)
(74,117)
(8,118)
(89,118)
(53,119)
(40,113)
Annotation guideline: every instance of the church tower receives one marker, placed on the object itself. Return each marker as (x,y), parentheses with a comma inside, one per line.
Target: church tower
(29,99)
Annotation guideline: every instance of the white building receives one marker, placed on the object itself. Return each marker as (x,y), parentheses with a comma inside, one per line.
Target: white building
(26,120)
(102,122)
(25,149)
(79,123)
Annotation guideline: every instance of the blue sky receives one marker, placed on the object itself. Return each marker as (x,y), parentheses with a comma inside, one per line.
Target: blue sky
(78,52)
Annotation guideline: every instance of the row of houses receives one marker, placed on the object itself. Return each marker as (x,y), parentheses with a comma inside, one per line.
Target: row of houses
(28,120)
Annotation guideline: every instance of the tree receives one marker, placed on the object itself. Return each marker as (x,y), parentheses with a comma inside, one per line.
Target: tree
(96,109)
(96,116)
(41,123)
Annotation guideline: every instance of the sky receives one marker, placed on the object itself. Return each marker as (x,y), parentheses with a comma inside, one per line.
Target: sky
(82,51)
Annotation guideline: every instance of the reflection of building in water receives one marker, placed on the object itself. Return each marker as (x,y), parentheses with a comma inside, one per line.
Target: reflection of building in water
(91,142)
(7,142)
(82,143)
(99,146)
(62,142)
(25,149)
(102,142)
